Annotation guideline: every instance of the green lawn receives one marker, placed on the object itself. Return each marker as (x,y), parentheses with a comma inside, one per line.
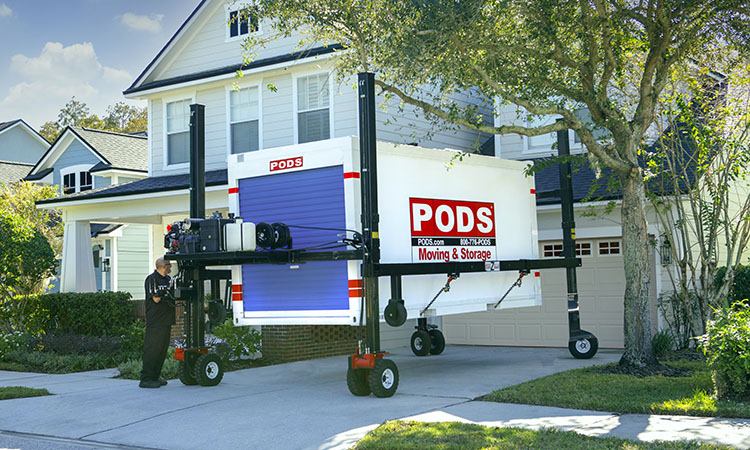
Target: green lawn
(587,389)
(7,393)
(454,435)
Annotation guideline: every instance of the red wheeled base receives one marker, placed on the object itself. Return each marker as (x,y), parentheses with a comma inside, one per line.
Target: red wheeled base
(199,366)
(370,373)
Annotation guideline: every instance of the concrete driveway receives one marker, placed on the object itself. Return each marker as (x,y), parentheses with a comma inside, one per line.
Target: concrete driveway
(291,406)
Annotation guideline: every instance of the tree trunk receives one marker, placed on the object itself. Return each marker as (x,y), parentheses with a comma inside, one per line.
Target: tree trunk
(639,351)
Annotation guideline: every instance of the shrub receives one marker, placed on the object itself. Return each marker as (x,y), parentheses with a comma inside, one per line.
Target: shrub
(727,348)
(55,363)
(242,341)
(17,340)
(663,343)
(77,344)
(131,369)
(91,314)
(740,289)
(131,341)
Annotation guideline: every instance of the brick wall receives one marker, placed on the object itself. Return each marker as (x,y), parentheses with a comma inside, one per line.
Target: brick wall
(178,329)
(285,343)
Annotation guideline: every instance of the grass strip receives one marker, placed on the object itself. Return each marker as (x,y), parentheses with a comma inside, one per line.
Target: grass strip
(588,389)
(7,393)
(463,436)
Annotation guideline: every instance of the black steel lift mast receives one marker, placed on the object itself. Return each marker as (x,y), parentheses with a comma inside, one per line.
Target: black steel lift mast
(368,371)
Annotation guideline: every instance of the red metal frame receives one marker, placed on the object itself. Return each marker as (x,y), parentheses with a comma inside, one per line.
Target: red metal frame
(179,352)
(367,360)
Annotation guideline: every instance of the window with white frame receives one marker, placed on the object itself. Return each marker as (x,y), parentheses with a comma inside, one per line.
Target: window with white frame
(555,250)
(609,248)
(545,141)
(76,179)
(313,113)
(244,120)
(178,132)
(241,22)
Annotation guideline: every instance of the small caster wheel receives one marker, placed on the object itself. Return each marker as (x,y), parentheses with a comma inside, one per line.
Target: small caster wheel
(356,380)
(421,343)
(584,348)
(395,313)
(437,342)
(185,375)
(208,370)
(383,378)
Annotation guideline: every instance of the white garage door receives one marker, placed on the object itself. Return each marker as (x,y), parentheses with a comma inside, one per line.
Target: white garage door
(601,286)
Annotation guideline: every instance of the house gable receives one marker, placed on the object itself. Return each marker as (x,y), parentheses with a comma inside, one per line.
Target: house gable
(21,143)
(201,49)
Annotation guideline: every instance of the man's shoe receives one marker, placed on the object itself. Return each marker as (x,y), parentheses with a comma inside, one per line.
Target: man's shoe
(162,382)
(149,384)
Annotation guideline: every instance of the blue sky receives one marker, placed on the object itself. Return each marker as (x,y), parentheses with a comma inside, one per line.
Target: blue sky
(93,49)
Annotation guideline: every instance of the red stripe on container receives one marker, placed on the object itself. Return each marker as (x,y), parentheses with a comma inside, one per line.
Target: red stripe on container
(236,288)
(533,191)
(234,190)
(351,175)
(355,293)
(237,297)
(537,274)
(355,283)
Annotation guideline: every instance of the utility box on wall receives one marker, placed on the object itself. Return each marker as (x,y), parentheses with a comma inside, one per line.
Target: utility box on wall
(435,206)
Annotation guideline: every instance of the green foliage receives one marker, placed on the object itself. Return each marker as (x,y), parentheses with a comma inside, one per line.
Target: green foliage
(76,344)
(740,288)
(18,340)
(47,362)
(91,314)
(131,341)
(120,117)
(19,199)
(242,341)
(727,348)
(131,369)
(26,261)
(663,343)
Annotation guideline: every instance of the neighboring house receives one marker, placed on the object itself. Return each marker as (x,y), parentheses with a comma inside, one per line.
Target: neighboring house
(20,148)
(83,160)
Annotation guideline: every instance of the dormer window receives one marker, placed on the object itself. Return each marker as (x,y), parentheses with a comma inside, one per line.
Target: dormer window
(76,179)
(241,22)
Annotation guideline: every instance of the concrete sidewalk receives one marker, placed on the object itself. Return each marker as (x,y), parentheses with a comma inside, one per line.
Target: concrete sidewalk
(307,405)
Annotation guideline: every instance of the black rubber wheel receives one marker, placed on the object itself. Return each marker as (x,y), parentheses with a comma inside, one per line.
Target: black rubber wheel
(208,370)
(185,375)
(217,314)
(421,343)
(584,348)
(383,378)
(437,341)
(356,380)
(395,313)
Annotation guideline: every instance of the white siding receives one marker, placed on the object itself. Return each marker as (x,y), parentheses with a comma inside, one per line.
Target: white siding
(216,120)
(277,111)
(204,46)
(132,259)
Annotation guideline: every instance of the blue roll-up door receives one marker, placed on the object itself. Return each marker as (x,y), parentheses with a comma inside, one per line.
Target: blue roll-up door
(312,198)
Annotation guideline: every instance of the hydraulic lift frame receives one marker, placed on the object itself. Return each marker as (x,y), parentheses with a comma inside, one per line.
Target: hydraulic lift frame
(368,371)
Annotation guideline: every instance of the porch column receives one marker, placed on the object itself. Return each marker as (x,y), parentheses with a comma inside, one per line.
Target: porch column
(77,272)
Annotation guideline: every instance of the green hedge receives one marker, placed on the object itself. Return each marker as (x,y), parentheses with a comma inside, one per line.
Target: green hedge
(91,314)
(741,288)
(727,348)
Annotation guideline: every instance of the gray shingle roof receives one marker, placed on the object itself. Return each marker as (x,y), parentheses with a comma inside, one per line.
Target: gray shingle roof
(122,151)
(4,125)
(144,186)
(10,171)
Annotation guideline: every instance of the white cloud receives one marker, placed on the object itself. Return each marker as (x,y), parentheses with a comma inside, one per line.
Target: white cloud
(56,75)
(150,23)
(4,10)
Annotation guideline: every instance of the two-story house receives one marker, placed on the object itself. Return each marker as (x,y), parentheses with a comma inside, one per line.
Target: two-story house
(83,160)
(286,97)
(20,148)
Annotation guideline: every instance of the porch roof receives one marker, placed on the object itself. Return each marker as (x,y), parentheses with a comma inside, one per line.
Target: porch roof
(144,186)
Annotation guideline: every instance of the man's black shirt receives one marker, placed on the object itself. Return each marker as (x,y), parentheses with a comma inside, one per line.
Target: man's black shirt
(158,314)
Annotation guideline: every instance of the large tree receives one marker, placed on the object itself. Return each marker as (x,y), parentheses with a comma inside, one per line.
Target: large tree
(612,58)
(119,117)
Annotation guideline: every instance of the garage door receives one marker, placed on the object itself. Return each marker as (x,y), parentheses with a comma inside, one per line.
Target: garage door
(601,286)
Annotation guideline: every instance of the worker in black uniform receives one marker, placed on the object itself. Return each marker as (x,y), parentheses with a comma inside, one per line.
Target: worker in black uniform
(159,321)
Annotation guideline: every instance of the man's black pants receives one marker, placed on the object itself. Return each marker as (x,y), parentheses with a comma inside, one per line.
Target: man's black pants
(155,347)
